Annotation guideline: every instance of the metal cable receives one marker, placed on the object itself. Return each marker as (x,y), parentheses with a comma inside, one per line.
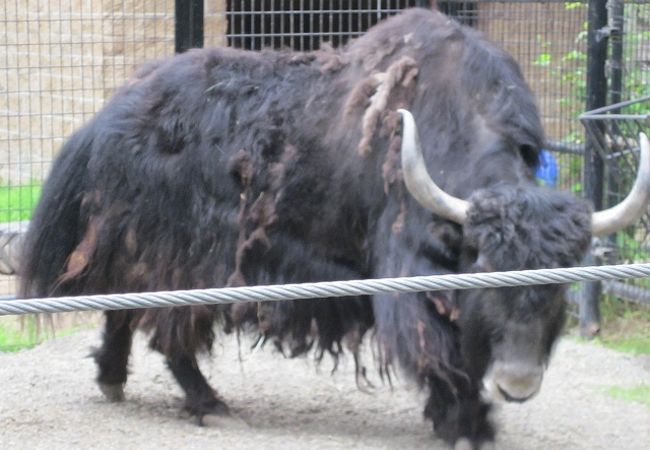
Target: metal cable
(322,289)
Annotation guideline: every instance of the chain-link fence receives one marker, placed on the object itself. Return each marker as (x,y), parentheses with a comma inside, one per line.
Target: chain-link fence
(60,61)
(615,132)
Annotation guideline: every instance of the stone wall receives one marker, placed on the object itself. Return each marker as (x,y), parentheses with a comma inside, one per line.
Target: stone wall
(62,60)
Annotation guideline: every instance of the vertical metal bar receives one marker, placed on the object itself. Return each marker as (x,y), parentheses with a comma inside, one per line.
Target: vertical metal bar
(281,41)
(263,32)
(616,14)
(593,168)
(273,31)
(596,93)
(251,29)
(244,36)
(303,37)
(616,11)
(312,29)
(188,25)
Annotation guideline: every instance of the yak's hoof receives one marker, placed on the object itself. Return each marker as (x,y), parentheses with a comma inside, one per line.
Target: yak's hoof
(208,416)
(223,421)
(112,392)
(216,417)
(466,444)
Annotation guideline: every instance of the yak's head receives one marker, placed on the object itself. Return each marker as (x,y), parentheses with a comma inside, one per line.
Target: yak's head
(507,334)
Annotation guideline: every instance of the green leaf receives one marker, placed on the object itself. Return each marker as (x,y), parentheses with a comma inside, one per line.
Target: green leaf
(575,55)
(543,59)
(569,6)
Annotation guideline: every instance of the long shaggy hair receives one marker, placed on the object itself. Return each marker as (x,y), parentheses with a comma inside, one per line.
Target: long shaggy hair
(221,167)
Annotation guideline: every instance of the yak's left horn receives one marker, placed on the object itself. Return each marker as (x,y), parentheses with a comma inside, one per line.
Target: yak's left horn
(634,205)
(418,181)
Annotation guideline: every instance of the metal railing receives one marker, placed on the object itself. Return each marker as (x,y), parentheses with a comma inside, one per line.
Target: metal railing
(328,289)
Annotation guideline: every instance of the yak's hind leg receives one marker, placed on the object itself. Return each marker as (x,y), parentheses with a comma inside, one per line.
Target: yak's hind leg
(179,334)
(113,356)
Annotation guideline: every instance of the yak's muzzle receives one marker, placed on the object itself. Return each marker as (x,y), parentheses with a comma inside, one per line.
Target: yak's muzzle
(513,381)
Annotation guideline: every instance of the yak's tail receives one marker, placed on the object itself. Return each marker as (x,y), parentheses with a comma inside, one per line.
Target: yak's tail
(55,226)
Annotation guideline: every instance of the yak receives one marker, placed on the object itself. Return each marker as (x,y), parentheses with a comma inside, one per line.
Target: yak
(410,151)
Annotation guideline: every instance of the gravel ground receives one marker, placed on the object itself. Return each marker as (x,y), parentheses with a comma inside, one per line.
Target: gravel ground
(49,400)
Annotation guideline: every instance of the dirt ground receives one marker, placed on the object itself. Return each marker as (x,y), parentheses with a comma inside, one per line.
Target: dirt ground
(49,400)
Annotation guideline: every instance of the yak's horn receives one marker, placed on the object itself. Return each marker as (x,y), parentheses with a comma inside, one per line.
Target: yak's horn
(418,181)
(634,205)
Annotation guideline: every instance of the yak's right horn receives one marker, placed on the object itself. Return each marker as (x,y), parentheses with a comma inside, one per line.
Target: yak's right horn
(634,205)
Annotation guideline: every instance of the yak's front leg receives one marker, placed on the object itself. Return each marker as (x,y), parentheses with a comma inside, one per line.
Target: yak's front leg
(201,400)
(113,356)
(459,415)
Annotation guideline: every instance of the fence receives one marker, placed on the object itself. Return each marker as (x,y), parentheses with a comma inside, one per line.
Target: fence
(325,289)
(61,60)
(614,130)
(304,24)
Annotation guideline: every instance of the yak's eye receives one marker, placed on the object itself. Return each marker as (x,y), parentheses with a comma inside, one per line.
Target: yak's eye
(529,154)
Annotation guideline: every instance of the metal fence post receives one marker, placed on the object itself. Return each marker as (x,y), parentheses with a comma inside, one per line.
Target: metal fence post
(188,25)
(597,41)
(616,22)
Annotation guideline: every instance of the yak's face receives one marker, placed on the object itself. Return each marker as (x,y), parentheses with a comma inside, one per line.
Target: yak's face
(507,334)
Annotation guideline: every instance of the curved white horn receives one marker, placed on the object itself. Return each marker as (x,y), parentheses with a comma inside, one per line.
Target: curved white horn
(417,179)
(634,205)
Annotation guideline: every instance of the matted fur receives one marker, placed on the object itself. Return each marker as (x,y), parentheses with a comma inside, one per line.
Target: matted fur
(223,167)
